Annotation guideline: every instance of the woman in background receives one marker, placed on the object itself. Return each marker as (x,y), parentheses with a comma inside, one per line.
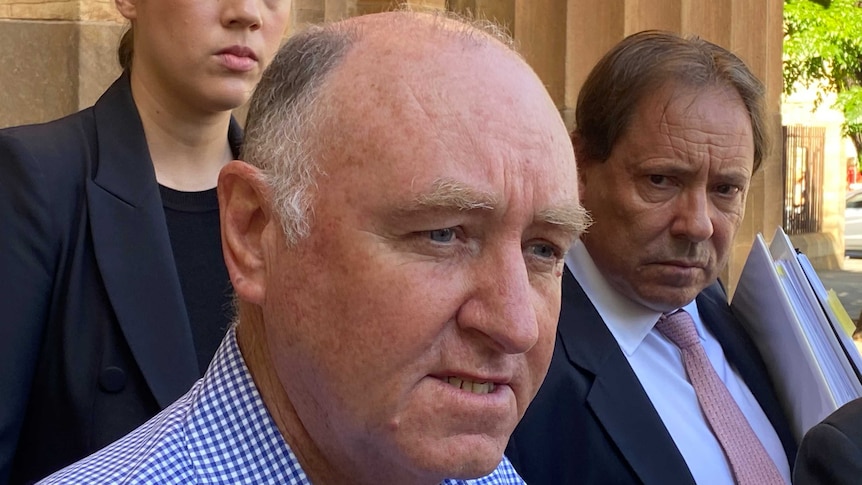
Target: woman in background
(113,291)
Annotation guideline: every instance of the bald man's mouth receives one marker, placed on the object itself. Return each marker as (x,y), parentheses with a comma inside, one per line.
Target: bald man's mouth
(470,386)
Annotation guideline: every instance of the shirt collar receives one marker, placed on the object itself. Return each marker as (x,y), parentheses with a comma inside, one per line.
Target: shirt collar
(232,413)
(628,321)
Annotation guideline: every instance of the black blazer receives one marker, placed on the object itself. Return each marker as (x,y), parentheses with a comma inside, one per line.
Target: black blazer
(592,422)
(831,451)
(94,334)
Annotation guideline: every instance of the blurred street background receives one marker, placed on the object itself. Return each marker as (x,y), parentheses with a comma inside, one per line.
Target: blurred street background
(847,283)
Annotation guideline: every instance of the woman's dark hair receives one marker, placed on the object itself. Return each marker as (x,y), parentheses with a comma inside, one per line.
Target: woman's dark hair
(126,49)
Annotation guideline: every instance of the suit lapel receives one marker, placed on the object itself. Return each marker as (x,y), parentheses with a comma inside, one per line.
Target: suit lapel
(133,249)
(742,354)
(616,397)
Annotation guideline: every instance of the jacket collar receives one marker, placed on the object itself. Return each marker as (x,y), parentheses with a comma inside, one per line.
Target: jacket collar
(616,397)
(133,249)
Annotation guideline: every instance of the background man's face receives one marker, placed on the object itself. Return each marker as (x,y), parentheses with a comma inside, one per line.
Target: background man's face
(416,322)
(668,201)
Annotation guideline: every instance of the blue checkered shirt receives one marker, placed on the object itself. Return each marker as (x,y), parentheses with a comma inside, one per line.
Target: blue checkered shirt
(219,432)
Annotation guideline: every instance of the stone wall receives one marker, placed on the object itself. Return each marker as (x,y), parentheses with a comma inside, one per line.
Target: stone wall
(59,55)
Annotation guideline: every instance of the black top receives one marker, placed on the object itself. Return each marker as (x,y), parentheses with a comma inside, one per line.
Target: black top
(193,226)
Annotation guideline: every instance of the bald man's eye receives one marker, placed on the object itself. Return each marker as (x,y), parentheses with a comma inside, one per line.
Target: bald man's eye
(442,235)
(543,256)
(543,251)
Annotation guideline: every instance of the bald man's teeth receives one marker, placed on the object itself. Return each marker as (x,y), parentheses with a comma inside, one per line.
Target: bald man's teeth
(470,386)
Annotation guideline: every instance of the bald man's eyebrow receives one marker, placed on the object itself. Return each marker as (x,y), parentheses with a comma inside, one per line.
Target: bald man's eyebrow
(572,218)
(450,194)
(453,195)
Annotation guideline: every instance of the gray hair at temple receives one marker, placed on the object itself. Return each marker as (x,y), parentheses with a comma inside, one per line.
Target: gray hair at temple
(282,118)
(287,111)
(642,63)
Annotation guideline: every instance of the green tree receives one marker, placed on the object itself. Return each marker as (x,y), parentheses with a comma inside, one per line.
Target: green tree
(823,44)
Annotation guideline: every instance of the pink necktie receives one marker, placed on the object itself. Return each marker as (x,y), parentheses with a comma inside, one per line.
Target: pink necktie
(749,461)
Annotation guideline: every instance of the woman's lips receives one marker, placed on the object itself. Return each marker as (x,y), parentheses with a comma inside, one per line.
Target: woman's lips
(238,58)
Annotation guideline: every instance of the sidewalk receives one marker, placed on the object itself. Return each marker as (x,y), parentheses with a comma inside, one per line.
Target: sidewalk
(847,284)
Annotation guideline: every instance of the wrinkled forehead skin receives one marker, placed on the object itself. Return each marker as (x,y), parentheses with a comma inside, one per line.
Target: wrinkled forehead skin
(409,87)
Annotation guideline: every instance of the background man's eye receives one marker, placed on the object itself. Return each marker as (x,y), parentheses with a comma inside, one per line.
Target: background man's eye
(442,235)
(656,179)
(727,189)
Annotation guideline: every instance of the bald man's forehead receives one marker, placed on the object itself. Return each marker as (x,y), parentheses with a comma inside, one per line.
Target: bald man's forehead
(387,44)
(411,94)
(383,94)
(422,64)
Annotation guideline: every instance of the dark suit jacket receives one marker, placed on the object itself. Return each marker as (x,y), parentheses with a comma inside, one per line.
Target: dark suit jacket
(831,452)
(592,422)
(94,334)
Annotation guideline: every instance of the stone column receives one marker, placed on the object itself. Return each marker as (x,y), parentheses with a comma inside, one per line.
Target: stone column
(709,20)
(58,56)
(363,7)
(756,35)
(540,32)
(341,9)
(100,28)
(306,12)
(593,28)
(501,12)
(655,14)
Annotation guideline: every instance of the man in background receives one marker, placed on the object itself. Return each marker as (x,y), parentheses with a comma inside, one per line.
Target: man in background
(653,379)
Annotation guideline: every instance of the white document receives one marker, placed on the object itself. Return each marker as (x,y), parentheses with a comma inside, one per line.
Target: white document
(815,318)
(773,318)
(841,332)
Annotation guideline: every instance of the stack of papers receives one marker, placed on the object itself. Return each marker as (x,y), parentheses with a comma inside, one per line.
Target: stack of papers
(801,330)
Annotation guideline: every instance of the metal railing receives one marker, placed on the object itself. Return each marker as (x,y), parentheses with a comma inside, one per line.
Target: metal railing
(803,178)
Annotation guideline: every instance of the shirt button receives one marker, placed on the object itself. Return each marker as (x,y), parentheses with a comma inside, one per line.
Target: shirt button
(112,379)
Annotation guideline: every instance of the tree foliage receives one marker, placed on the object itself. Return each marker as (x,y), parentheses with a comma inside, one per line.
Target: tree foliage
(823,44)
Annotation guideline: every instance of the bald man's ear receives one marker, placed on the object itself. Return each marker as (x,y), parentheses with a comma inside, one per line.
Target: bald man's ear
(127,8)
(246,222)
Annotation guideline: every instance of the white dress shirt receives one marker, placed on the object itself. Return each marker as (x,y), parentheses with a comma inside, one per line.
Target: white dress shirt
(657,362)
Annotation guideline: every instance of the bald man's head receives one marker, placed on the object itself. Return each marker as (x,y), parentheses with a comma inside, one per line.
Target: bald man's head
(405,323)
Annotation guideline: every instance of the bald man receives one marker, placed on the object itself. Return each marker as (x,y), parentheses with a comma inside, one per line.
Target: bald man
(395,236)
